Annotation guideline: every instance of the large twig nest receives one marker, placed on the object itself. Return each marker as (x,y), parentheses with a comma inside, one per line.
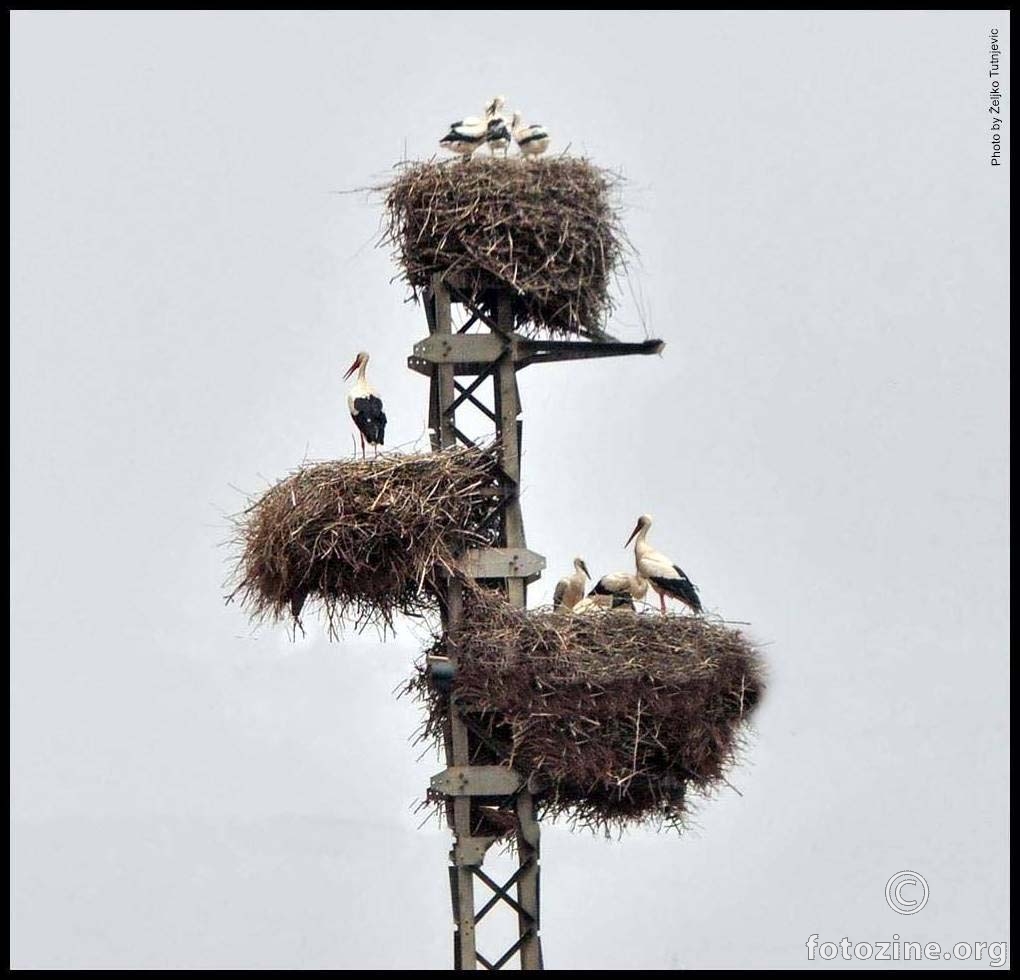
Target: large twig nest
(550,229)
(613,717)
(363,539)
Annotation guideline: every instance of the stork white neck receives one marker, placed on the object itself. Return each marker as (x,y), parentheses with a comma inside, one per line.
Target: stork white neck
(361,387)
(641,545)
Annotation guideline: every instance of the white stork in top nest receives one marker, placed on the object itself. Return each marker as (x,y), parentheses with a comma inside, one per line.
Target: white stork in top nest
(570,589)
(365,406)
(469,133)
(666,577)
(532,141)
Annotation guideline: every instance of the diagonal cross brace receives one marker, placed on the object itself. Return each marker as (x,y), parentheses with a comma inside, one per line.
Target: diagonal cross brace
(500,893)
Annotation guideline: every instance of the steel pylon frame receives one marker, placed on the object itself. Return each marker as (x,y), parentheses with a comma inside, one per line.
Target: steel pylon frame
(474,792)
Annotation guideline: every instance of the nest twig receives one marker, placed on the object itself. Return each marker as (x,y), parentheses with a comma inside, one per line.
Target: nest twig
(614,718)
(550,229)
(365,540)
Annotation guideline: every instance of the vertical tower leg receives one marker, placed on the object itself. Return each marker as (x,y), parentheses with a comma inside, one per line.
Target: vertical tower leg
(468,850)
(508,411)
(458,746)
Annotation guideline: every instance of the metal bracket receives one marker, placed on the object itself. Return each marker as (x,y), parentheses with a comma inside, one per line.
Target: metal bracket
(477,781)
(470,851)
(502,563)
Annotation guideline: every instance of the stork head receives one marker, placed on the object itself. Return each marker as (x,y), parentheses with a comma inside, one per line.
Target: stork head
(494,105)
(582,567)
(515,120)
(643,523)
(359,361)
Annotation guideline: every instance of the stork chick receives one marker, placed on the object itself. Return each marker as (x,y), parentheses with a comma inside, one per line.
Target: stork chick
(666,577)
(533,140)
(365,406)
(570,589)
(469,133)
(619,585)
(498,137)
(465,136)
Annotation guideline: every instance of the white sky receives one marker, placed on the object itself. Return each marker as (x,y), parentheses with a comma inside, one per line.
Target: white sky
(823,445)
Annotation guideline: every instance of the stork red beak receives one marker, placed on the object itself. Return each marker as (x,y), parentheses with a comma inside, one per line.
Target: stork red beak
(637,527)
(352,368)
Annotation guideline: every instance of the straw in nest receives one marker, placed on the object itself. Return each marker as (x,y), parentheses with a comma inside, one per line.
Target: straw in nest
(614,717)
(549,229)
(363,539)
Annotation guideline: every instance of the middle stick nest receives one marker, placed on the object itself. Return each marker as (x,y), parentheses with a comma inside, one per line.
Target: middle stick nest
(611,717)
(365,540)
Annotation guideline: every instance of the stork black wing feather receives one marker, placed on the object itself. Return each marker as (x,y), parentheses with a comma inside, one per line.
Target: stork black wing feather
(369,417)
(681,588)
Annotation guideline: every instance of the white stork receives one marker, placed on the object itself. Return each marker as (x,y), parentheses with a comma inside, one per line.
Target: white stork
(498,137)
(532,141)
(666,577)
(365,406)
(619,585)
(466,135)
(603,604)
(570,589)
(494,109)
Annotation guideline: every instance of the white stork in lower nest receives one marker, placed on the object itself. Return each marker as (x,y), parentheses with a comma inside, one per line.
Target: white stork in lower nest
(602,604)
(570,589)
(619,588)
(666,577)
(532,141)
(365,406)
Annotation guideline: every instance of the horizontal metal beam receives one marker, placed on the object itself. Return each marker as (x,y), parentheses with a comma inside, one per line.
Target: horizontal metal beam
(472,348)
(477,781)
(541,351)
(475,353)
(502,563)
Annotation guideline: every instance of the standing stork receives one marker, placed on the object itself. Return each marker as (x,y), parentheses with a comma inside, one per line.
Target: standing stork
(498,137)
(365,406)
(532,141)
(666,577)
(570,589)
(469,133)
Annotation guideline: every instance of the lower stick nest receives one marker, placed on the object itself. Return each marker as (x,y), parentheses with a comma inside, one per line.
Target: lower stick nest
(363,540)
(613,718)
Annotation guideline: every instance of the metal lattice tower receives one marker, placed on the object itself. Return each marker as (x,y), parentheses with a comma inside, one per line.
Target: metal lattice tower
(482,799)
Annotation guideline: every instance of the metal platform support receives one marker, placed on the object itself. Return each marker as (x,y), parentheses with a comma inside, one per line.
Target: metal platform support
(476,794)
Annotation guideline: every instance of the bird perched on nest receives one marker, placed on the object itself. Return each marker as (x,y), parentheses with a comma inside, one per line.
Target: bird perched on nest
(603,604)
(466,135)
(365,406)
(619,585)
(533,140)
(498,137)
(666,577)
(570,589)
